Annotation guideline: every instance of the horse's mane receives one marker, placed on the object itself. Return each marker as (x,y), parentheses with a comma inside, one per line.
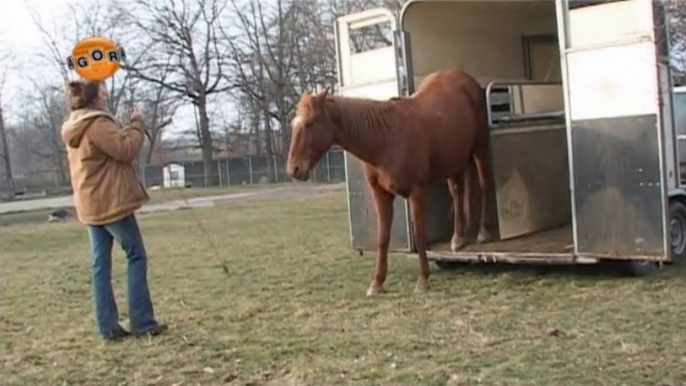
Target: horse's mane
(365,119)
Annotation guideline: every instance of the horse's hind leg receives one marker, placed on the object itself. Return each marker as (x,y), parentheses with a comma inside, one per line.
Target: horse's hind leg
(481,160)
(418,208)
(384,212)
(456,185)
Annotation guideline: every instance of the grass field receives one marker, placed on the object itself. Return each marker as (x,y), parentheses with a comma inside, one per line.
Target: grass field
(164,195)
(156,197)
(269,293)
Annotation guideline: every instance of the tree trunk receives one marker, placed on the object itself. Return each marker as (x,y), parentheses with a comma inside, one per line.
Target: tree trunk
(255,123)
(61,169)
(286,132)
(6,157)
(269,145)
(151,150)
(206,144)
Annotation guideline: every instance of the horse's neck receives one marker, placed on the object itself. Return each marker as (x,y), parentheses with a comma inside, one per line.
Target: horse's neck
(365,128)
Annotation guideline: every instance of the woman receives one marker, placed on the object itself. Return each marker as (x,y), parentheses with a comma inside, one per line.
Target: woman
(107,192)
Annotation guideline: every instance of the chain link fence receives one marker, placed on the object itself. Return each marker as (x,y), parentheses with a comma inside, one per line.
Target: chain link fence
(6,187)
(229,172)
(239,171)
(38,183)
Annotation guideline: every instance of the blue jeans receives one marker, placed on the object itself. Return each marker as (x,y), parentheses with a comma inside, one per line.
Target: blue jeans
(141,313)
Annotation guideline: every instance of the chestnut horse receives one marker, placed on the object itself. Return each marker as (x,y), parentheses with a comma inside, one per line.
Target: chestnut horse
(405,145)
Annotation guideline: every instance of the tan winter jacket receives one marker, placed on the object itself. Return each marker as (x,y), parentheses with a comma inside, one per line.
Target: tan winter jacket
(102,165)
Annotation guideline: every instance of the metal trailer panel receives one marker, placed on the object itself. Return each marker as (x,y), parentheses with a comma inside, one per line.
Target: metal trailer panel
(679,106)
(671,152)
(369,74)
(662,47)
(363,228)
(532,191)
(616,128)
(618,192)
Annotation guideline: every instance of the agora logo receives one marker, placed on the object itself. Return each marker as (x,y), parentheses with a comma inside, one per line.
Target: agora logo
(95,58)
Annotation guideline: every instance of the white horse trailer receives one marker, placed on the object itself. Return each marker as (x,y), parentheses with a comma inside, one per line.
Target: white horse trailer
(582,126)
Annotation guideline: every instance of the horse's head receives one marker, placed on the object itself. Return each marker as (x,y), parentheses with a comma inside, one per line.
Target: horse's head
(312,135)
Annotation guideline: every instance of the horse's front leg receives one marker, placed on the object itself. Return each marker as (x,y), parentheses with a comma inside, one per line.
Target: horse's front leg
(418,207)
(384,213)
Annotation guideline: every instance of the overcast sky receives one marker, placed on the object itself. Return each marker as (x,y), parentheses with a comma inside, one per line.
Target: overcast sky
(24,40)
(18,34)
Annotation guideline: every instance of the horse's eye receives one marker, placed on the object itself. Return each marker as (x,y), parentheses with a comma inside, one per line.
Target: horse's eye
(309,124)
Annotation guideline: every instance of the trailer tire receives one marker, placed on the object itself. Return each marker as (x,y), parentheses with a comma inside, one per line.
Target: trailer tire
(631,268)
(642,268)
(677,230)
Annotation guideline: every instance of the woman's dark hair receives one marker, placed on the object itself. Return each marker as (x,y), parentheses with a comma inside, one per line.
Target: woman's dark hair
(82,94)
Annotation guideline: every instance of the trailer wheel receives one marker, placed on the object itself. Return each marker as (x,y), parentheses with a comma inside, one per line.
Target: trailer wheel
(677,230)
(642,268)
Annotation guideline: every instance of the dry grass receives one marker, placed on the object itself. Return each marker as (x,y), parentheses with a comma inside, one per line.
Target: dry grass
(182,195)
(269,293)
(173,194)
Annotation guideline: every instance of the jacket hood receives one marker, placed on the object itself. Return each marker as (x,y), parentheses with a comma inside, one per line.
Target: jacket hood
(75,126)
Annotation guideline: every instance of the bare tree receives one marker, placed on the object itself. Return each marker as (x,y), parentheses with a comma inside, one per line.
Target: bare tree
(96,18)
(46,112)
(284,48)
(676,22)
(160,107)
(274,58)
(183,40)
(7,182)
(253,75)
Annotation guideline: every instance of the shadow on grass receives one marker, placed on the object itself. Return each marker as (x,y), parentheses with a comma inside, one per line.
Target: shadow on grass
(601,270)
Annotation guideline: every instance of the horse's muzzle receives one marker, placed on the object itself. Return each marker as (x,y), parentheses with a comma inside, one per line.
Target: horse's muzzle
(298,173)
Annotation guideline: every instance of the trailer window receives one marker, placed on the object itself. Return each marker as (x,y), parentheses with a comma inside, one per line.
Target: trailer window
(680,111)
(541,58)
(371,37)
(574,4)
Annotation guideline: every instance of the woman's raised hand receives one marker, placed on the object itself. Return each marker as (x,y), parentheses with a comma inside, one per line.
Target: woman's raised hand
(136,113)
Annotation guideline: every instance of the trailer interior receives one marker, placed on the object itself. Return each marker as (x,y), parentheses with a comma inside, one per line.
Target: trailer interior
(511,47)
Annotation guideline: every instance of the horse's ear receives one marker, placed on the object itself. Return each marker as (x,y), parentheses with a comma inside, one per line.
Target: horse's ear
(321,97)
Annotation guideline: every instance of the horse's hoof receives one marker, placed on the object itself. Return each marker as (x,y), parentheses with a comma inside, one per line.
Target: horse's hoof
(457,243)
(374,290)
(421,287)
(484,237)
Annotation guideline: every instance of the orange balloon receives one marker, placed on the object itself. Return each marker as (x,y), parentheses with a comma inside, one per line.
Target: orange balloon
(95,58)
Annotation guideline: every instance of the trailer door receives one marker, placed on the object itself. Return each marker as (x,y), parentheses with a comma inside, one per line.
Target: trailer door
(620,128)
(367,67)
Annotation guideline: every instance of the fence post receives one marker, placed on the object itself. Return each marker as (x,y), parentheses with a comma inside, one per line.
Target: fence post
(219,172)
(277,177)
(228,175)
(328,168)
(250,169)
